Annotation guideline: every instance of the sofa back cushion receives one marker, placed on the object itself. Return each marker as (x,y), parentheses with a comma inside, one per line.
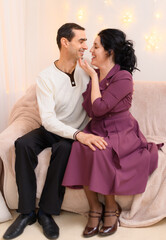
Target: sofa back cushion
(149,107)
(26,109)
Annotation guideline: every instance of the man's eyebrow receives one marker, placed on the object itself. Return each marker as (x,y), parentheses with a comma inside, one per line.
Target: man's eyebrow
(83,39)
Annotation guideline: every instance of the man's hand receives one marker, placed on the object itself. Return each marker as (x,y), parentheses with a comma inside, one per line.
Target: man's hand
(91,140)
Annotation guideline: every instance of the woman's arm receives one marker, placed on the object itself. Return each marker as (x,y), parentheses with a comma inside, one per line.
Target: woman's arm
(95,90)
(112,95)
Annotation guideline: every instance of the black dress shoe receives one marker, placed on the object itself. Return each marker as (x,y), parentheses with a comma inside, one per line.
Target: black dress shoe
(18,226)
(50,228)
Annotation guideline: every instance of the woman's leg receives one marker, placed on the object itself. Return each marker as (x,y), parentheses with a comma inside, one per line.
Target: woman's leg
(95,213)
(111,215)
(94,206)
(111,206)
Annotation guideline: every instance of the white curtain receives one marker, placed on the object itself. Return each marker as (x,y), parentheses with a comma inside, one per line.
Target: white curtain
(28,30)
(27,45)
(12,55)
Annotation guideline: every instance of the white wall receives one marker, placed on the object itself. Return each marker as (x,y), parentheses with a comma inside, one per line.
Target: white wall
(97,14)
(38,24)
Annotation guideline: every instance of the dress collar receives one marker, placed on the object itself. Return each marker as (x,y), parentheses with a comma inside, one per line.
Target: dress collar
(113,70)
(106,81)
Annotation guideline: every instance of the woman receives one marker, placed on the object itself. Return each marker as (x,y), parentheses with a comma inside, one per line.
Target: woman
(123,167)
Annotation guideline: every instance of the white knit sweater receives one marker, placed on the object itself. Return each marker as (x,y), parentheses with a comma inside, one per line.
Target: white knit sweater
(60,104)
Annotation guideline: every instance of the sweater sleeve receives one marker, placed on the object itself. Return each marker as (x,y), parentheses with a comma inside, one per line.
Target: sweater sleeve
(113,94)
(47,112)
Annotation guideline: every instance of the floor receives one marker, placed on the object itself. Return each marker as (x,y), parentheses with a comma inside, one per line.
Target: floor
(71,227)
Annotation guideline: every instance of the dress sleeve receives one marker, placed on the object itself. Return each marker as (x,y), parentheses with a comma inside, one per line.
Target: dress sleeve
(46,104)
(87,100)
(113,94)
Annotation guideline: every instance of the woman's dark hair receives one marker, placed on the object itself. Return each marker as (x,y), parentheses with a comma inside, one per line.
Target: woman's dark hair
(66,31)
(124,54)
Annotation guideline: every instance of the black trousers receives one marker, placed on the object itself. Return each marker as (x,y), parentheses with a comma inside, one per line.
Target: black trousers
(27,148)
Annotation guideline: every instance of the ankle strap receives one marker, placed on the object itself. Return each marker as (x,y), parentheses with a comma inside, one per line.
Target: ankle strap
(95,212)
(112,213)
(92,216)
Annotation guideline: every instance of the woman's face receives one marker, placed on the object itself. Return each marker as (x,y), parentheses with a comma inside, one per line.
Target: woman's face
(99,55)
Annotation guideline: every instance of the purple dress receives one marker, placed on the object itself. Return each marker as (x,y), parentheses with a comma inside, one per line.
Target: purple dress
(124,166)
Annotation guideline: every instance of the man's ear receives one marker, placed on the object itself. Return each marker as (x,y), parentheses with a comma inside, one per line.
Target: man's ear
(64,42)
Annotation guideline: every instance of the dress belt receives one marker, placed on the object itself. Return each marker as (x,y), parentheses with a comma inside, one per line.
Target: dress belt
(119,114)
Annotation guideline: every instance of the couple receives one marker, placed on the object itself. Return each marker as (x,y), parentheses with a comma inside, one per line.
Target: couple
(109,153)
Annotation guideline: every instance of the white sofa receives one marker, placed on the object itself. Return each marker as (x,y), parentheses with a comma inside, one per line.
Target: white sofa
(149,108)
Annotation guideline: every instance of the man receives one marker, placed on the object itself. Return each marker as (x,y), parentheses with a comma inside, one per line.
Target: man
(59,95)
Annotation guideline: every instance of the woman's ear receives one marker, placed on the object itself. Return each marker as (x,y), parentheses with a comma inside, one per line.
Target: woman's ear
(110,52)
(112,56)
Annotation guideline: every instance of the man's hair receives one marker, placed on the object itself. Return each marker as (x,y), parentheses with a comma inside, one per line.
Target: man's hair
(66,31)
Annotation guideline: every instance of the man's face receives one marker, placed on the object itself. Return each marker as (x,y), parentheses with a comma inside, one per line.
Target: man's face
(77,45)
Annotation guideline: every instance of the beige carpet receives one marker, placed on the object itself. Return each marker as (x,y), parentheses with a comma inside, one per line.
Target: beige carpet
(71,227)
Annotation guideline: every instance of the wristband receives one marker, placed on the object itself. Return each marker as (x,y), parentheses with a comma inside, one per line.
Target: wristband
(74,135)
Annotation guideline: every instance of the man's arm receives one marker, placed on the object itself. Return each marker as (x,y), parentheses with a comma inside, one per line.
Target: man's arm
(48,116)
(46,105)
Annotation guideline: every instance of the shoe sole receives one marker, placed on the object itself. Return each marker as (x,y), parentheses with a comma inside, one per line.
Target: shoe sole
(54,237)
(30,223)
(106,234)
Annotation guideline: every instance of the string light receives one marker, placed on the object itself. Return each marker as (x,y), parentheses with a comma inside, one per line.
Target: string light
(153,41)
(100,19)
(108,2)
(66,6)
(80,14)
(157,15)
(127,17)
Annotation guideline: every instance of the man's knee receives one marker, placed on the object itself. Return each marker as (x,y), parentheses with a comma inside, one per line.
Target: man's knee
(61,151)
(22,142)
(30,139)
(62,146)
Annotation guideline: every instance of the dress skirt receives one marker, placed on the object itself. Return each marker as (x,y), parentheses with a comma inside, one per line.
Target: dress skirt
(122,168)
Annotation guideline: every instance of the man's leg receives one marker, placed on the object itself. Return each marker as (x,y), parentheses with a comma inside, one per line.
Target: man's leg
(53,192)
(27,149)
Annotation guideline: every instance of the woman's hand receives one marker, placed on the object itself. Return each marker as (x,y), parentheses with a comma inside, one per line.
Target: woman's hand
(87,68)
(95,90)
